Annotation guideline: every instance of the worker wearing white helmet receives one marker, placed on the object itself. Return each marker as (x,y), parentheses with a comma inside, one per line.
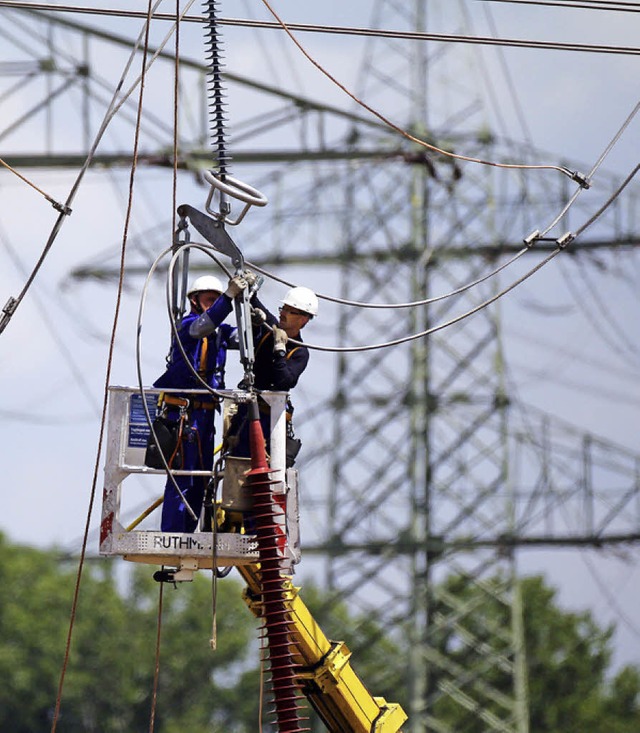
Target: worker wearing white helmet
(205,340)
(278,361)
(302,299)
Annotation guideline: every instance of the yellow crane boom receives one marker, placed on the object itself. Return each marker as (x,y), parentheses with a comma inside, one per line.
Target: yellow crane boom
(325,674)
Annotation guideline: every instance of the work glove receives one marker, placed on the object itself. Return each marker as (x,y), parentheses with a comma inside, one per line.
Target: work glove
(258,316)
(279,341)
(251,278)
(236,285)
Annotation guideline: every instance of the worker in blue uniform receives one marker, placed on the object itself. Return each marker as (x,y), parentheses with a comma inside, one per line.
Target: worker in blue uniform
(205,340)
(278,362)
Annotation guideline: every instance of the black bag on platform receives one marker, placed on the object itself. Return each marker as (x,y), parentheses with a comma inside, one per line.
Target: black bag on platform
(168,434)
(293,446)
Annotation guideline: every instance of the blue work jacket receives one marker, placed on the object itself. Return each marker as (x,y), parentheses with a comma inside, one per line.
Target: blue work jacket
(200,332)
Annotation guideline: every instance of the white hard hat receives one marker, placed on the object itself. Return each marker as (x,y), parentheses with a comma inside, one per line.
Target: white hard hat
(205,282)
(303,299)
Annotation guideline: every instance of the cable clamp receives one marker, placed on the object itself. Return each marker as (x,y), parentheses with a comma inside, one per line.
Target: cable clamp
(62,208)
(532,238)
(581,180)
(8,310)
(565,239)
(10,306)
(182,235)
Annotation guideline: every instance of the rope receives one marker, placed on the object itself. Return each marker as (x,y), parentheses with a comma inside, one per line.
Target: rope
(76,594)
(156,666)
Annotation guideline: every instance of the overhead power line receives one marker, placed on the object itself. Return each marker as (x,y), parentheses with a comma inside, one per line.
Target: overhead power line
(342,30)
(625,7)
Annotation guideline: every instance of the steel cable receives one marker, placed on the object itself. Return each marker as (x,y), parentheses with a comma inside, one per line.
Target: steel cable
(76,595)
(510,166)
(11,307)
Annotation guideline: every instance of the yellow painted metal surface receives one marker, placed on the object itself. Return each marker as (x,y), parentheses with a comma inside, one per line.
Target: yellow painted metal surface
(326,677)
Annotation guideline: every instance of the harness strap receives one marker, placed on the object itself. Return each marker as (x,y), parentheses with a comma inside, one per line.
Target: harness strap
(202,368)
(266,336)
(262,340)
(183,402)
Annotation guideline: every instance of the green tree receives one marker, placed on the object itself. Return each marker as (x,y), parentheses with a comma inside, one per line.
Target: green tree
(109,678)
(571,688)
(568,656)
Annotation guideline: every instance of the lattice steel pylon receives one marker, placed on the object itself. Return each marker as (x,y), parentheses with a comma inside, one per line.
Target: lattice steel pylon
(435,473)
(432,462)
(424,477)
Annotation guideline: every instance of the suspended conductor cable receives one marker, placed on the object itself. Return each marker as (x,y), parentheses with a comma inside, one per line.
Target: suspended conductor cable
(427,332)
(590,175)
(12,304)
(338,30)
(627,7)
(609,201)
(573,175)
(76,595)
(411,304)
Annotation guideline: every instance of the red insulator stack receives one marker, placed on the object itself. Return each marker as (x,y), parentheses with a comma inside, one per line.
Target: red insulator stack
(277,621)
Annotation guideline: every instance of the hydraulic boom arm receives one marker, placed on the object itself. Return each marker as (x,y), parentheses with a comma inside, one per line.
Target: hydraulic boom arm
(326,677)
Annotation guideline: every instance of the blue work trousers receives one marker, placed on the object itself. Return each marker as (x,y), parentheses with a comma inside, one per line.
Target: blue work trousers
(197,454)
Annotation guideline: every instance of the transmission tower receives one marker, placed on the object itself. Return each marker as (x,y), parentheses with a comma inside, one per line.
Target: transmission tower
(436,474)
(425,484)
(430,463)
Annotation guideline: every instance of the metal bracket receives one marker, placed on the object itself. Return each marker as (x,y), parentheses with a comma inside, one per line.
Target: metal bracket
(183,574)
(236,189)
(214,232)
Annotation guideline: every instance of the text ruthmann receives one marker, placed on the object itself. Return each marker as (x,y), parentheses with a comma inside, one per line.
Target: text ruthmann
(176,542)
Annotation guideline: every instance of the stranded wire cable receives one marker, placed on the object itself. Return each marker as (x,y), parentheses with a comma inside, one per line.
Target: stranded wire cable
(573,175)
(12,304)
(584,182)
(439,327)
(347,349)
(591,173)
(76,594)
(336,30)
(411,304)
(561,244)
(626,7)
